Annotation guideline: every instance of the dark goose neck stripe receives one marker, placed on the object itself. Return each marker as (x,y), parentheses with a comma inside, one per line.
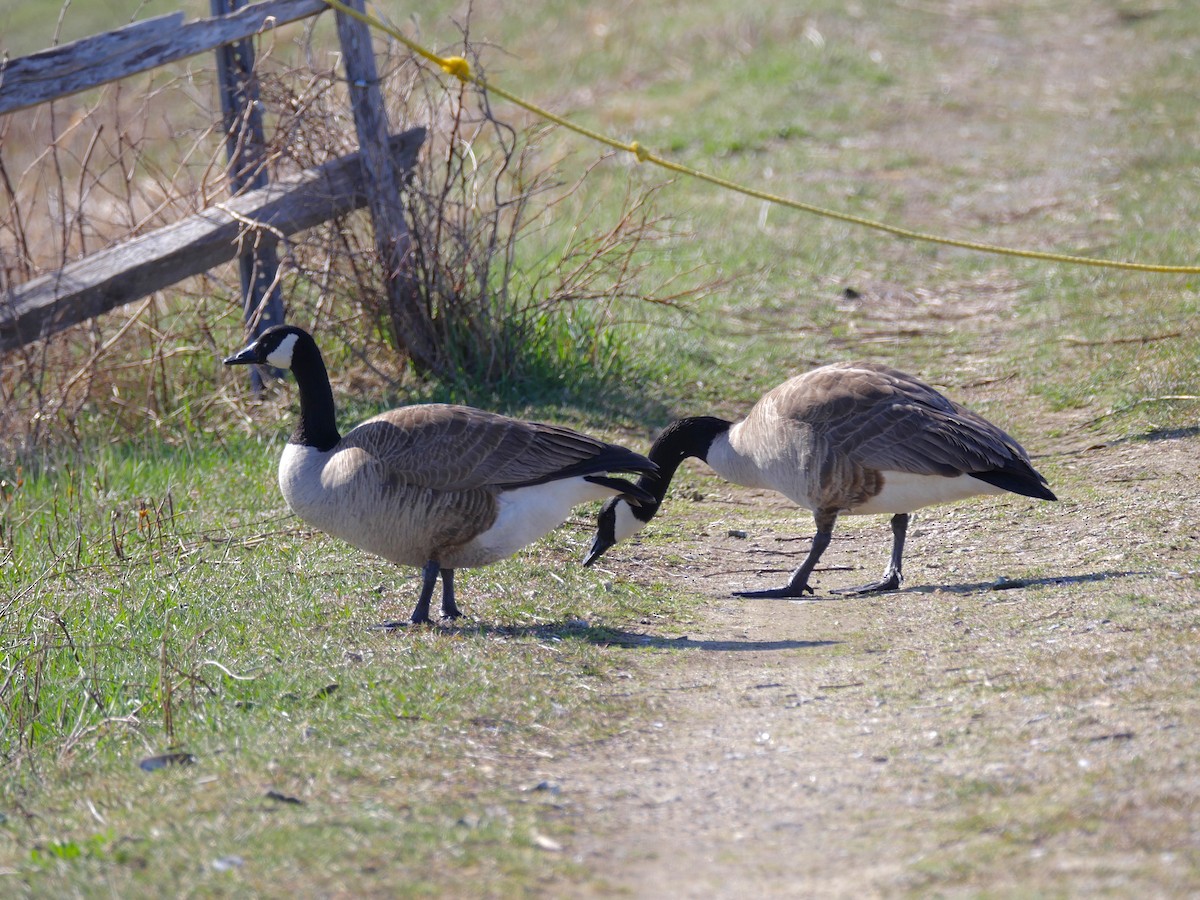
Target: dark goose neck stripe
(317,426)
(682,438)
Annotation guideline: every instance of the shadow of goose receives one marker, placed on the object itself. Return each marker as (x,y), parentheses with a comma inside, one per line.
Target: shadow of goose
(1008,584)
(614,637)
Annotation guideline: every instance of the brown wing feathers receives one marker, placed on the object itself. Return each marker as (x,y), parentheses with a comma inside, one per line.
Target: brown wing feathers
(885,419)
(462,448)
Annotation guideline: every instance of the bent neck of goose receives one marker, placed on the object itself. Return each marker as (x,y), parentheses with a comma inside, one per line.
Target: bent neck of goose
(692,436)
(620,518)
(318,416)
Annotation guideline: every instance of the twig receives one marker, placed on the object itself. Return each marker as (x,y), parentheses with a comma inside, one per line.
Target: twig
(1127,407)
(1107,342)
(213,662)
(58,620)
(90,365)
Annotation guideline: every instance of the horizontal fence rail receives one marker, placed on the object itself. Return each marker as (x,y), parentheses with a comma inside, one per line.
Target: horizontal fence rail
(110,278)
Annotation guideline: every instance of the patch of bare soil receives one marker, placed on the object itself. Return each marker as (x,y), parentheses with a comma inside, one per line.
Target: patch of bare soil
(1021,718)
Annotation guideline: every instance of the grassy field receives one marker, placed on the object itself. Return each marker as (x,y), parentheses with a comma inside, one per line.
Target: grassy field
(156,597)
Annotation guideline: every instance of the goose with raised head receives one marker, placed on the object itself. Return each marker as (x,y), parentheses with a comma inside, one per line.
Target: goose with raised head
(432,485)
(848,438)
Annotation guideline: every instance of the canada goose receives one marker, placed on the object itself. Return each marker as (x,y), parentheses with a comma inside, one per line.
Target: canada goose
(851,438)
(436,486)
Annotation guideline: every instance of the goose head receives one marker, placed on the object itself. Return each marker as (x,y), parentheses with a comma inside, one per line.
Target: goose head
(274,347)
(618,520)
(286,347)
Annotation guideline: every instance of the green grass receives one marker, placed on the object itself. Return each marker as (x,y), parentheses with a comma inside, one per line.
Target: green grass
(155,595)
(165,604)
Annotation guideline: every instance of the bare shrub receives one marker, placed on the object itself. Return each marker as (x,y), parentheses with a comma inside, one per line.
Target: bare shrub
(519,271)
(77,176)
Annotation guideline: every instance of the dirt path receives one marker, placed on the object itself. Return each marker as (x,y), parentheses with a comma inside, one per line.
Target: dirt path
(963,734)
(1021,719)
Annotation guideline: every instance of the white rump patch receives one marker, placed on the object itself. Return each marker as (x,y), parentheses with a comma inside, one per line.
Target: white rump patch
(529,513)
(903,492)
(281,356)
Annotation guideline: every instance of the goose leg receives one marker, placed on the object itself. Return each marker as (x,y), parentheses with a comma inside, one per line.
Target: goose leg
(891,575)
(798,585)
(429,574)
(420,614)
(450,609)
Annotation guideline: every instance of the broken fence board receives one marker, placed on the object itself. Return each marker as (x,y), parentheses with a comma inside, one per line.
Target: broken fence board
(99,59)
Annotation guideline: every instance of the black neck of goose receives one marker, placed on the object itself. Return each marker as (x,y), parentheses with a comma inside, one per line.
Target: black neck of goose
(318,416)
(682,438)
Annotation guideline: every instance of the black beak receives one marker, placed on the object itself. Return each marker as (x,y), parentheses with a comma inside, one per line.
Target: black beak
(243,357)
(599,545)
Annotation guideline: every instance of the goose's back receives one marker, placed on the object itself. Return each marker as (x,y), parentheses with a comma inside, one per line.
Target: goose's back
(890,420)
(461,448)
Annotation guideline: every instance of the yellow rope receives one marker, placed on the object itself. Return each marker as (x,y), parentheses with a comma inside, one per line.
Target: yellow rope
(461,69)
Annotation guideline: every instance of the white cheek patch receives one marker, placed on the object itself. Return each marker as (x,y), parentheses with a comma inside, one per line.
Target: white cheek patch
(281,356)
(625,523)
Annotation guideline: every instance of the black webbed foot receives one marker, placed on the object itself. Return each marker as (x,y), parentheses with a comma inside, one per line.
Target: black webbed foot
(889,582)
(787,592)
(404,623)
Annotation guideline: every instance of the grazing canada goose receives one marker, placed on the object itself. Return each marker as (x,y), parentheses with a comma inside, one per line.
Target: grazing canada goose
(851,438)
(435,486)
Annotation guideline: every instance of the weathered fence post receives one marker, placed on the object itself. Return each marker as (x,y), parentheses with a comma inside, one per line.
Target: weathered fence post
(245,146)
(411,325)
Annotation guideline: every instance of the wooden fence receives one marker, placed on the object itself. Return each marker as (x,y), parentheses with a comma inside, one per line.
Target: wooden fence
(252,222)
